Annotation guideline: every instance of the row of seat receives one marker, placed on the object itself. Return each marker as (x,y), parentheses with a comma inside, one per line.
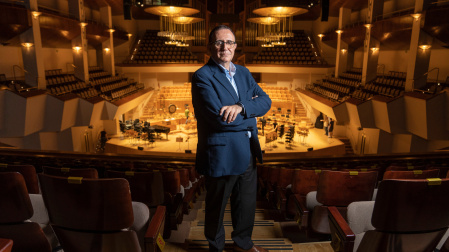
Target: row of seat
(68,202)
(324,92)
(341,90)
(306,194)
(344,82)
(60,79)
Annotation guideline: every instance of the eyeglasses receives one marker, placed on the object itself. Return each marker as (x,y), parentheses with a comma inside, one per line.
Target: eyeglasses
(220,43)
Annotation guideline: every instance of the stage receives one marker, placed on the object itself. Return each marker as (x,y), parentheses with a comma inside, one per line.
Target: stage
(315,144)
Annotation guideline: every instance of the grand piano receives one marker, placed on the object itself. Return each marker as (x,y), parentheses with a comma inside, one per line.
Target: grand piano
(159,129)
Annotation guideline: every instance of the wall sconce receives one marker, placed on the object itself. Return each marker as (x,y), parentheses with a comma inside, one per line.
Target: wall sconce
(83,24)
(425,47)
(368,26)
(416,16)
(339,31)
(343,51)
(374,49)
(107,49)
(77,48)
(27,45)
(111,30)
(36,14)
(321,36)
(129,35)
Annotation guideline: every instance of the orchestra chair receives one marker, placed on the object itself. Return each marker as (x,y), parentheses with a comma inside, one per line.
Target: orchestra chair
(15,213)
(28,172)
(414,174)
(407,215)
(5,245)
(304,181)
(339,189)
(71,172)
(99,215)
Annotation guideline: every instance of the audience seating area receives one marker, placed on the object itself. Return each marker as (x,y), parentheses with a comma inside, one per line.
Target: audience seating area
(298,50)
(348,84)
(277,93)
(151,49)
(101,84)
(176,92)
(290,187)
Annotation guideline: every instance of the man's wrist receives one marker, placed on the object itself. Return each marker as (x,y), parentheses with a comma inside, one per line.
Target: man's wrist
(242,106)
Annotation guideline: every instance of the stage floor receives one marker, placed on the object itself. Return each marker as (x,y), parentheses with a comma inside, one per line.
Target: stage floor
(321,144)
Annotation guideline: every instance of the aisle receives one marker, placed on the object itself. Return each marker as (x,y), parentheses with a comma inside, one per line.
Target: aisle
(267,233)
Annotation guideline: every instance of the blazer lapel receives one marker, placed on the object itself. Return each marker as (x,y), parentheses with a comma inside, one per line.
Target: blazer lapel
(223,80)
(239,81)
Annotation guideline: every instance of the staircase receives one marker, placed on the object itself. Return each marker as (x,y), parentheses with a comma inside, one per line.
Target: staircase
(300,111)
(348,146)
(267,233)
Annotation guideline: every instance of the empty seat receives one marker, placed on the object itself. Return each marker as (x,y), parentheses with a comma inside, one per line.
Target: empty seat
(408,215)
(98,215)
(15,211)
(339,188)
(71,172)
(415,174)
(29,174)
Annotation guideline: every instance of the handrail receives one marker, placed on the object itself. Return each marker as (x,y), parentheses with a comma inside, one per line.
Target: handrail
(425,74)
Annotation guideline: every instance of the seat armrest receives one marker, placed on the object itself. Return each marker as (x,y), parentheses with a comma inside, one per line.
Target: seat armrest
(281,199)
(342,236)
(6,245)
(155,230)
(301,212)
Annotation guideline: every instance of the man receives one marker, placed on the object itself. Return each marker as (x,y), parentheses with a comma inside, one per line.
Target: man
(226,100)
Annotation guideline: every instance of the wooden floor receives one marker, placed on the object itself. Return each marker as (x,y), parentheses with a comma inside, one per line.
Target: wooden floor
(267,234)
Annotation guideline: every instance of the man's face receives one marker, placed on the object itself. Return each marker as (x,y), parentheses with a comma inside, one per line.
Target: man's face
(224,53)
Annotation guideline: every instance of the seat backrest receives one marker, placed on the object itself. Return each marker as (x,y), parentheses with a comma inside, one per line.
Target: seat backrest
(146,187)
(87,204)
(172,181)
(285,177)
(415,174)
(29,174)
(71,172)
(15,203)
(411,206)
(15,210)
(305,181)
(339,188)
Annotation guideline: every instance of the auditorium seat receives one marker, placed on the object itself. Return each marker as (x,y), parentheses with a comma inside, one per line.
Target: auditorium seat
(303,182)
(339,189)
(28,172)
(415,174)
(15,213)
(99,215)
(407,215)
(71,172)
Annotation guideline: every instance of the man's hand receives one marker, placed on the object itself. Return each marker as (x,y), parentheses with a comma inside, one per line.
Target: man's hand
(230,112)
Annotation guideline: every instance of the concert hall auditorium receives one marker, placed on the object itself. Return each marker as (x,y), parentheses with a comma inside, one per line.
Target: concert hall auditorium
(98,132)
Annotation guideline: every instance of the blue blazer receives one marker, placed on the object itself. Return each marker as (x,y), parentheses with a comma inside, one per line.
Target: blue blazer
(224,148)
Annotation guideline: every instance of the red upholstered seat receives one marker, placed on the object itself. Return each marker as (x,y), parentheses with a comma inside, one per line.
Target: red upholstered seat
(408,215)
(97,214)
(339,189)
(15,211)
(29,174)
(71,172)
(415,174)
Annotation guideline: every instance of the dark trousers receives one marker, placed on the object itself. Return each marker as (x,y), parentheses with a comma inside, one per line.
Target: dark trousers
(242,189)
